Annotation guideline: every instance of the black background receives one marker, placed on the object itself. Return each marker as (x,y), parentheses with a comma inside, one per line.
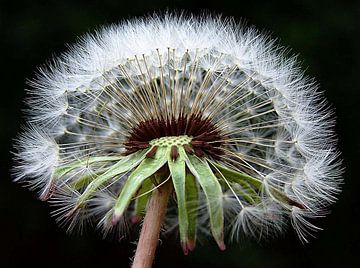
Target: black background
(324,33)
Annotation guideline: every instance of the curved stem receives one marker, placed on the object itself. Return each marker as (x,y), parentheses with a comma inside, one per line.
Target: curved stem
(149,236)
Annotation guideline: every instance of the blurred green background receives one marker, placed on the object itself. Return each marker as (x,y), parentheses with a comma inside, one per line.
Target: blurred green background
(324,33)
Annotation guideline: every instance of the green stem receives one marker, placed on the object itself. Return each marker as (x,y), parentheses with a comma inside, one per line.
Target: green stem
(149,236)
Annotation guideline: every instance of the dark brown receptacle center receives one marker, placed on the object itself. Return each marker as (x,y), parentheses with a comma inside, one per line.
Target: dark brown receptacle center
(206,138)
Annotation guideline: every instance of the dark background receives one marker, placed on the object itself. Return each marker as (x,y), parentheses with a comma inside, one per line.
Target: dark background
(324,33)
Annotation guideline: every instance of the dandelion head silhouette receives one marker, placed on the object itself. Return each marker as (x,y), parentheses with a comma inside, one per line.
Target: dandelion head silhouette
(215,109)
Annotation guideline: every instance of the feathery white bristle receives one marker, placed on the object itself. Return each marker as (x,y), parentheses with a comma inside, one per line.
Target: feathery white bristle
(36,158)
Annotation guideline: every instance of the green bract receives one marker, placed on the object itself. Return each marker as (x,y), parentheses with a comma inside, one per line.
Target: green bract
(167,159)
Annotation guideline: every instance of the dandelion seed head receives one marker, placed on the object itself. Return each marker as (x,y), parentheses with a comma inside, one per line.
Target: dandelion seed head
(218,109)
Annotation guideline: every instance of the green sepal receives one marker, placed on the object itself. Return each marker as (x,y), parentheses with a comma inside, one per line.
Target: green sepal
(86,179)
(146,169)
(237,177)
(212,189)
(63,170)
(141,200)
(192,203)
(245,190)
(239,183)
(178,175)
(124,165)
(245,181)
(283,198)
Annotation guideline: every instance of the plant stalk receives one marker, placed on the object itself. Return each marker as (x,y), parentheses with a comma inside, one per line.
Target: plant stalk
(154,217)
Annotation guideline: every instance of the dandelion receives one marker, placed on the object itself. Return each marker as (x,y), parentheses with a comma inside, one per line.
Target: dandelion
(196,122)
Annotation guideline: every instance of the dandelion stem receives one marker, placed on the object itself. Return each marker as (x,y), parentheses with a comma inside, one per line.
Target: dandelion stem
(150,231)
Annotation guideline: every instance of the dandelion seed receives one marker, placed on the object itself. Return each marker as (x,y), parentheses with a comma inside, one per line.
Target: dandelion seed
(199,109)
